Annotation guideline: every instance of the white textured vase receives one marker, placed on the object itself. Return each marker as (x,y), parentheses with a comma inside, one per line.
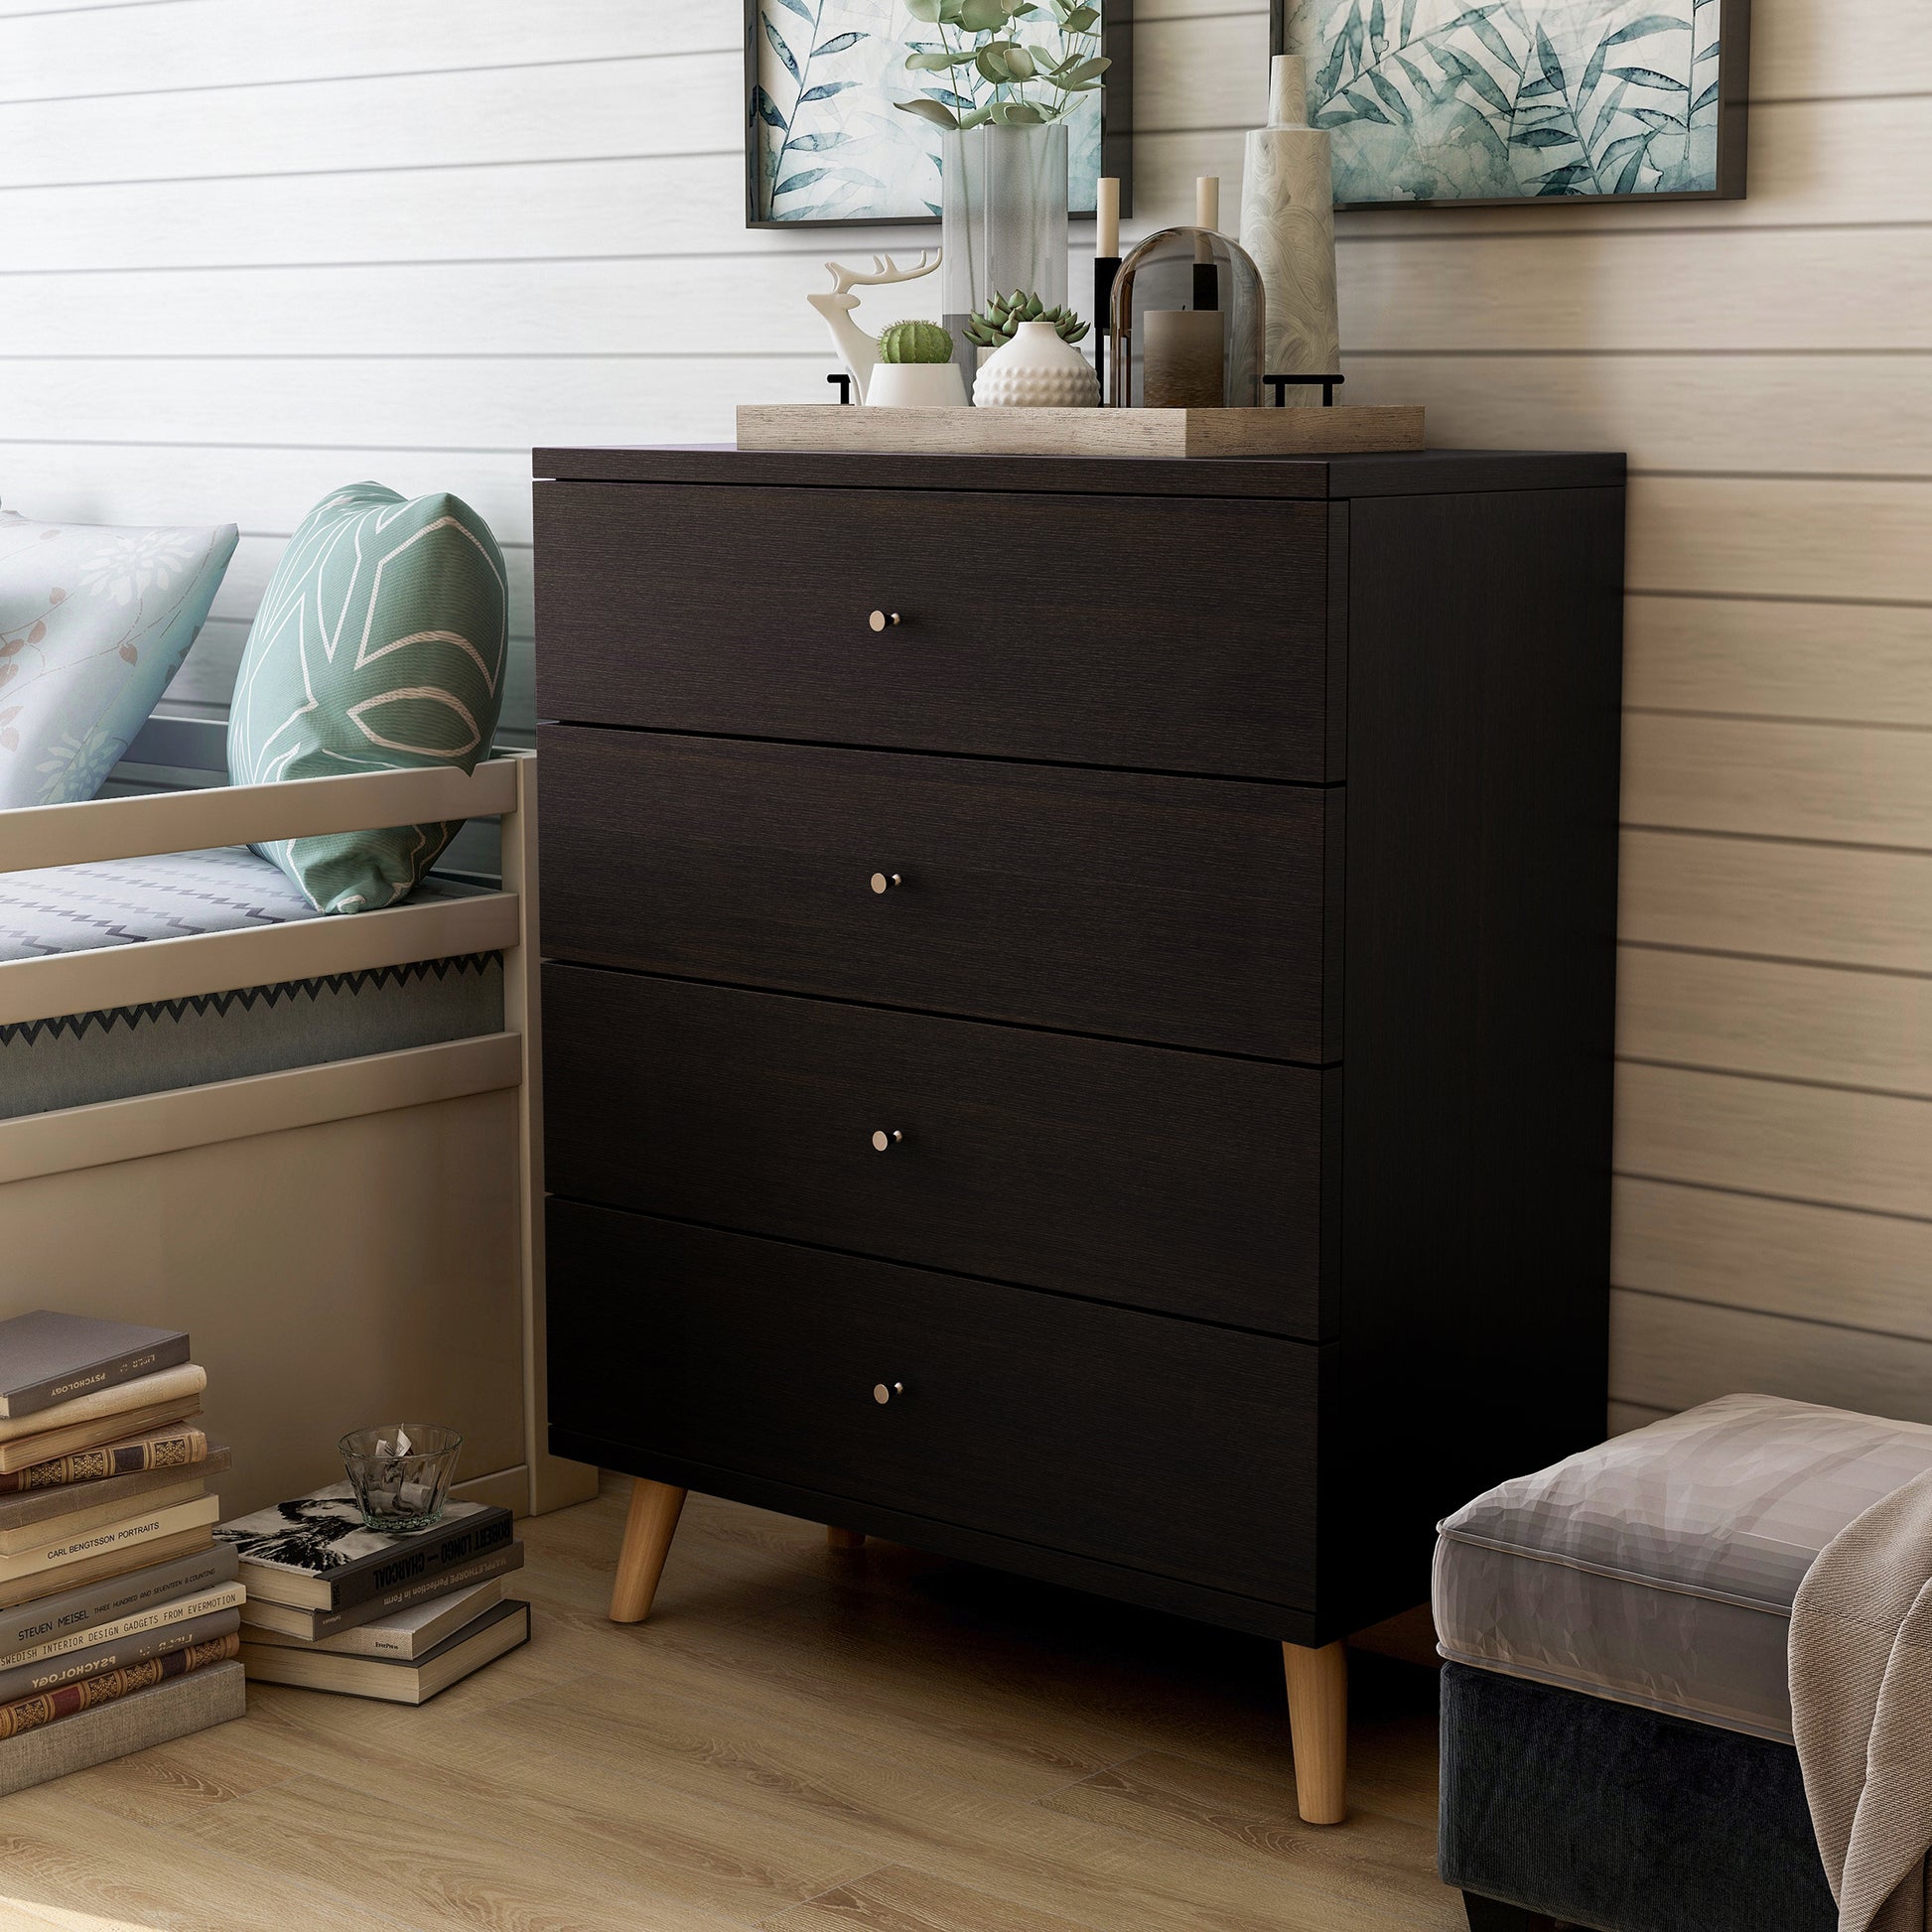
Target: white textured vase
(1288,224)
(1035,371)
(916,386)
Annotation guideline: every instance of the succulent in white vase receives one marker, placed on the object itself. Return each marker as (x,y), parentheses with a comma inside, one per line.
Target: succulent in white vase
(1035,364)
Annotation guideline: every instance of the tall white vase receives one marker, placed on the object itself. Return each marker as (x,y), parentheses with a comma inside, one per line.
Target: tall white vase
(1288,224)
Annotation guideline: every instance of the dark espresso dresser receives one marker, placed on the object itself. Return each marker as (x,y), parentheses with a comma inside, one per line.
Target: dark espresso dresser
(1078,1007)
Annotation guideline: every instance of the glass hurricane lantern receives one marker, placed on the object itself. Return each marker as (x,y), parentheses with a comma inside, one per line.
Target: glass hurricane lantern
(1189,326)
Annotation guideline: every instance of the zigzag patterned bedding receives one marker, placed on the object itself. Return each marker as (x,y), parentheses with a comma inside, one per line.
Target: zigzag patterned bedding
(74,1060)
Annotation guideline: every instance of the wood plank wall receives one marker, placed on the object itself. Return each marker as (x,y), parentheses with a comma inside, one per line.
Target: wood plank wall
(250,251)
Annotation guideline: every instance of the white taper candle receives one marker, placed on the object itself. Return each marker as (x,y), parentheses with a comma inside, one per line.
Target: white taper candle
(1106,218)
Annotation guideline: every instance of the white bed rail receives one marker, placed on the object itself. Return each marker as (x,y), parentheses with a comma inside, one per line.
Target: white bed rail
(34,836)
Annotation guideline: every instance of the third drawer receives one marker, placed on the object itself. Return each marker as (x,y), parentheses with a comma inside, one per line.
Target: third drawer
(1184,1183)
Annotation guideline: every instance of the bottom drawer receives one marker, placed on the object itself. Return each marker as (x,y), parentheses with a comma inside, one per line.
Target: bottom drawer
(1162,1445)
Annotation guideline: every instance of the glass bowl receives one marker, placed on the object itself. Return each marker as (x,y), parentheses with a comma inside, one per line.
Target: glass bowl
(401,1472)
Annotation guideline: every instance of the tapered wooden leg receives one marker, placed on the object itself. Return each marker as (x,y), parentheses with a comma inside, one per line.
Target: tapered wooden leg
(647,1533)
(1318,1717)
(838,1539)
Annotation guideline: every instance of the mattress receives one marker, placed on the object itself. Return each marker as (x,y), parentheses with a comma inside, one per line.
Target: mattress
(1658,1570)
(78,1058)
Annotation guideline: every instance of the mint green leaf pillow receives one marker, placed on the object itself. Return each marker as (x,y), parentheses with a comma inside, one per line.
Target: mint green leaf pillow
(95,622)
(381,641)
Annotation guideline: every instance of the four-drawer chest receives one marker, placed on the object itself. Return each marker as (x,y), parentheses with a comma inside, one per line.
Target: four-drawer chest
(1078,1007)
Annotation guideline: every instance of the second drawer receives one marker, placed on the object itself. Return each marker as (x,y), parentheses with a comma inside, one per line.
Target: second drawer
(1185,911)
(1167,1181)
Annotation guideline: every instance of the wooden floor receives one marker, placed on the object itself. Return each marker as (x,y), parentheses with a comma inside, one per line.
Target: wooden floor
(797,1741)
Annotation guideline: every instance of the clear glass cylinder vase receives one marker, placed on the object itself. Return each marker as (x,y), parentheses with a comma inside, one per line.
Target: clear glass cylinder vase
(1003,222)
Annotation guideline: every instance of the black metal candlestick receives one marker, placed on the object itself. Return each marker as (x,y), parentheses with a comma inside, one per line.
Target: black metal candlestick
(1105,268)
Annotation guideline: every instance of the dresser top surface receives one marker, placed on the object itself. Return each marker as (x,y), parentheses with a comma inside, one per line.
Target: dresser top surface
(1338,478)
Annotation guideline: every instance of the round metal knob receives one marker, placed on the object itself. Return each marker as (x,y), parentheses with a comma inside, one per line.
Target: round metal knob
(882,619)
(883,881)
(883,1392)
(884,1141)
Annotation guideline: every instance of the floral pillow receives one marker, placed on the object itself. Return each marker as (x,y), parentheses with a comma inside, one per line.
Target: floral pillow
(95,622)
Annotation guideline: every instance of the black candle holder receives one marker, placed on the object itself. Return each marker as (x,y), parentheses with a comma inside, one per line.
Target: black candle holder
(1105,268)
(1328,384)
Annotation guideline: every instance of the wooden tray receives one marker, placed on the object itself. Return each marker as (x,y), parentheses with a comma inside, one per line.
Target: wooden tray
(1344,430)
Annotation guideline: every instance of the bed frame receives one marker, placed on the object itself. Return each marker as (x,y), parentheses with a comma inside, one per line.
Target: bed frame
(346,1243)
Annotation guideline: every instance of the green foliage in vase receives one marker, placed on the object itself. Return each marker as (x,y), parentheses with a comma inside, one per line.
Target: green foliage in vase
(983,70)
(998,321)
(914,341)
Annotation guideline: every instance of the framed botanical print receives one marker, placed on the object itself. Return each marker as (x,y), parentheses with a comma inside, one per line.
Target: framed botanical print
(846,101)
(1526,101)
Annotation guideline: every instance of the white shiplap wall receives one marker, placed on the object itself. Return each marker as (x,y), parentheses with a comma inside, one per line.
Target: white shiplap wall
(250,249)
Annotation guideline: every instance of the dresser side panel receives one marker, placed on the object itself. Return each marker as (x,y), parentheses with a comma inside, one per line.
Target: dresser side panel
(1485,695)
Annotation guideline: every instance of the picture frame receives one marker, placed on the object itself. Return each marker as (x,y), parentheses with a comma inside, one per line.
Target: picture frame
(1454,104)
(912,199)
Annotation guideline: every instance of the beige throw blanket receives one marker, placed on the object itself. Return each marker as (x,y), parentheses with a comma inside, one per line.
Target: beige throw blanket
(1861,1711)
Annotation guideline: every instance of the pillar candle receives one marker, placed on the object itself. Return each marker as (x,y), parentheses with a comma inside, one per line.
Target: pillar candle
(1183,364)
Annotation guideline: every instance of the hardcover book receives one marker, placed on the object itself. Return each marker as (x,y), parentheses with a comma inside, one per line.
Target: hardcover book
(314,1554)
(409,1634)
(158,1616)
(394,1679)
(48,1444)
(312,1625)
(48,1358)
(124,1398)
(212,1695)
(85,1603)
(127,1457)
(130,1531)
(49,1707)
(84,1511)
(25,1680)
(109,1564)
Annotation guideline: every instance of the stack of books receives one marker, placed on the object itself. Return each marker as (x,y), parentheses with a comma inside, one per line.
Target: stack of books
(401,1615)
(119,1613)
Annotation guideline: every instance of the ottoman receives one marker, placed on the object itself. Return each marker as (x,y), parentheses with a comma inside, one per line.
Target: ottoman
(1616,1715)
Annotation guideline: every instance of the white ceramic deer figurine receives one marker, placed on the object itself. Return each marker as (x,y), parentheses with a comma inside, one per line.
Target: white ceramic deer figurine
(856,349)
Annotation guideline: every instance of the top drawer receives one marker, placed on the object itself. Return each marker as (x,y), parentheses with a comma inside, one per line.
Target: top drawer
(1179,634)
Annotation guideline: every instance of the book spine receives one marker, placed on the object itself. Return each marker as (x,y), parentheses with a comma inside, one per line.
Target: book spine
(325,1623)
(95,1432)
(144,1392)
(212,1696)
(128,1534)
(27,1680)
(55,1389)
(99,1602)
(177,1610)
(175,1449)
(29,1714)
(379,1575)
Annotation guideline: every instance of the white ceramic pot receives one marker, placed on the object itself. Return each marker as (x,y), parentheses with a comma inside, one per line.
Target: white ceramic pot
(1035,371)
(916,386)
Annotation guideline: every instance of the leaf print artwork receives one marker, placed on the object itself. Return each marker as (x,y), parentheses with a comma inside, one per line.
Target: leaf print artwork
(825,141)
(1517,99)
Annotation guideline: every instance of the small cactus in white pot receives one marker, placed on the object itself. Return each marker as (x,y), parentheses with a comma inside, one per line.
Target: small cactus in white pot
(915,369)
